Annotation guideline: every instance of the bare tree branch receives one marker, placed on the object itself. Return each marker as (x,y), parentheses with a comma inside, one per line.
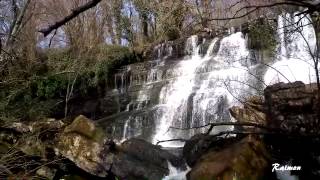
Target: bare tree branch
(252,8)
(171,140)
(75,12)
(228,124)
(227,133)
(260,132)
(50,42)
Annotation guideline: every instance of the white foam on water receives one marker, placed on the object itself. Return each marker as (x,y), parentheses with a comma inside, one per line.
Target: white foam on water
(176,174)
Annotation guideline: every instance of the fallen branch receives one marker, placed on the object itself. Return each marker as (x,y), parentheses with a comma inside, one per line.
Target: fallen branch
(212,125)
(298,135)
(74,13)
(170,140)
(220,134)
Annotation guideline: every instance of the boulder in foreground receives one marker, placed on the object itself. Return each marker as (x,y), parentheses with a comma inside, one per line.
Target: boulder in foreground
(247,159)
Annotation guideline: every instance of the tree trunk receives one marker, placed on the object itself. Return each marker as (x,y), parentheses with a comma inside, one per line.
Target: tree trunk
(117,18)
(316,25)
(110,24)
(16,26)
(144,19)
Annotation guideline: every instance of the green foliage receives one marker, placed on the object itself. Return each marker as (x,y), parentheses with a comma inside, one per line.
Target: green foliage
(262,36)
(58,59)
(50,86)
(40,95)
(112,58)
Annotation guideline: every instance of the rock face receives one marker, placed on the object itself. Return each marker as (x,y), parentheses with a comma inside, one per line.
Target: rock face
(89,150)
(253,111)
(214,157)
(200,144)
(138,159)
(292,107)
(46,172)
(246,159)
(83,126)
(82,143)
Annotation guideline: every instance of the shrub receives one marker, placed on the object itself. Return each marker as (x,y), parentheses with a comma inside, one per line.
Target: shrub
(172,33)
(40,94)
(262,36)
(112,58)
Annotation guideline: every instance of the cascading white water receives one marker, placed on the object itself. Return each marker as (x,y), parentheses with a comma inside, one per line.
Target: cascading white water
(197,90)
(297,48)
(204,89)
(176,174)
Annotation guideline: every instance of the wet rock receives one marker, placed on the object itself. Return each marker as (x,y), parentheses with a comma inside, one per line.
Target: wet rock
(292,107)
(246,159)
(84,152)
(82,125)
(45,125)
(139,159)
(151,153)
(81,143)
(20,127)
(253,111)
(133,159)
(41,138)
(255,102)
(31,127)
(46,172)
(201,144)
(248,114)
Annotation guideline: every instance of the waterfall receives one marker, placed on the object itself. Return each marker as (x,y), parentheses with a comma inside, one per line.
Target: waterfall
(297,48)
(168,93)
(204,89)
(133,127)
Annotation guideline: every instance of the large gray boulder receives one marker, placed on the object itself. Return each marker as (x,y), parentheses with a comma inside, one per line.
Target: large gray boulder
(139,159)
(292,107)
(83,143)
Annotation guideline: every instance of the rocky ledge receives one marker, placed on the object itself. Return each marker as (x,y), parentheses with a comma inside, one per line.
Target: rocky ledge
(280,127)
(87,149)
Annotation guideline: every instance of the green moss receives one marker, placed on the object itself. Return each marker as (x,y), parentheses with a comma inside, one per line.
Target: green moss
(262,36)
(112,58)
(99,134)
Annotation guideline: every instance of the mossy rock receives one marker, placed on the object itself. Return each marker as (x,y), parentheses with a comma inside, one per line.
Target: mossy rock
(84,152)
(86,127)
(82,142)
(247,159)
